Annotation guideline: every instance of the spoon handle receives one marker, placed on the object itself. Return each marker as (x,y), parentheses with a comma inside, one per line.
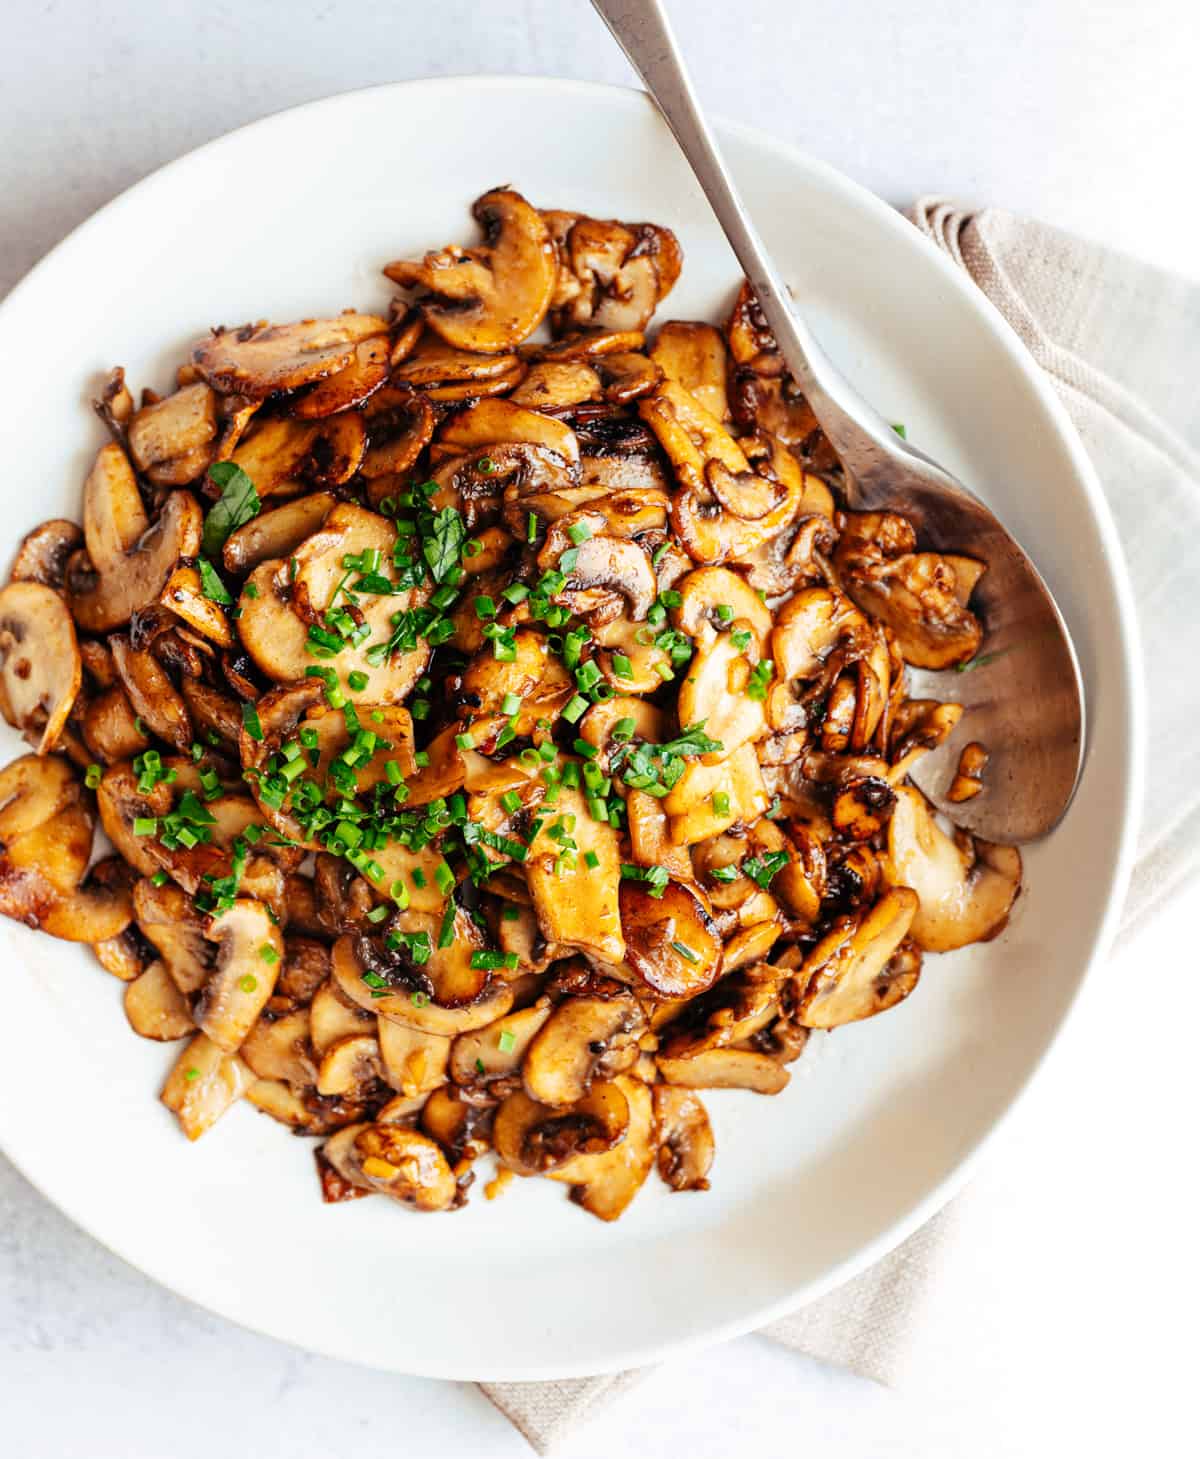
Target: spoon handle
(643,31)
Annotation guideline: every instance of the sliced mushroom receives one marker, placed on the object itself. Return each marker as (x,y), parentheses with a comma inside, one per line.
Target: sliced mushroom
(715,692)
(40,667)
(394,1161)
(620,273)
(283,456)
(685,1138)
(649,836)
(966,891)
(249,949)
(279,1048)
(202,1084)
(128,558)
(211,710)
(184,595)
(260,360)
(494,422)
(604,1184)
(819,635)
(44,553)
(306,1112)
(152,696)
(692,803)
(349,387)
(166,918)
(124,956)
(447,374)
(584,1039)
(915,593)
(490,298)
(496,1052)
(171,440)
(276,533)
(577,903)
(850,974)
(533,1139)
(671,942)
(693,355)
(712,599)
(462,1129)
(413,1062)
(725,1069)
(400,422)
(155,1007)
(332,1016)
(416,1009)
(557,385)
(351,1069)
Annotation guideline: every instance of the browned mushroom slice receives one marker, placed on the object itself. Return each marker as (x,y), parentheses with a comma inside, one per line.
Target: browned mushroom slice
(259,360)
(622,272)
(155,1007)
(849,974)
(211,710)
(128,558)
(32,791)
(306,1112)
(278,532)
(966,892)
(491,422)
(671,941)
(152,695)
(43,554)
(577,902)
(685,1138)
(448,374)
(715,691)
(584,1039)
(185,597)
(249,949)
(285,456)
(396,1162)
(916,594)
(693,355)
(40,667)
(413,1005)
(332,1017)
(351,1068)
(649,836)
(399,422)
(599,567)
(712,599)
(533,1139)
(725,1069)
(348,388)
(203,1083)
(124,956)
(604,1184)
(968,777)
(279,1048)
(708,799)
(166,918)
(557,385)
(490,298)
(413,1062)
(462,1129)
(496,1052)
(171,440)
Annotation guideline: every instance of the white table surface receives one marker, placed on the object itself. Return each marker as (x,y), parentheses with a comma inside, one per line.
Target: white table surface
(1074,1297)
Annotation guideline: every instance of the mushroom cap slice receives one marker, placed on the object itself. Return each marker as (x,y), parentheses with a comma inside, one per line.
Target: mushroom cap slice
(691,806)
(434,363)
(577,905)
(396,1162)
(492,422)
(671,942)
(152,696)
(43,554)
(103,597)
(713,693)
(351,1069)
(963,898)
(604,1184)
(259,360)
(179,426)
(155,1007)
(277,532)
(168,921)
(249,951)
(332,1016)
(202,1084)
(351,386)
(283,455)
(706,590)
(725,1069)
(583,1039)
(533,1139)
(417,1010)
(685,1138)
(40,668)
(413,1062)
(693,355)
(495,1052)
(849,974)
(461,1128)
(490,298)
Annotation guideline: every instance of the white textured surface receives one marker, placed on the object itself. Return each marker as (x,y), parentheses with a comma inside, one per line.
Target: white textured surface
(1076,1316)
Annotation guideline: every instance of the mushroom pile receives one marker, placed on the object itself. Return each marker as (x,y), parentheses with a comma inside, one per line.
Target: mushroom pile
(498,725)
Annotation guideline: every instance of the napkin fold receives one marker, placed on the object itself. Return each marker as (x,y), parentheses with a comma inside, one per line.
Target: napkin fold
(1120,342)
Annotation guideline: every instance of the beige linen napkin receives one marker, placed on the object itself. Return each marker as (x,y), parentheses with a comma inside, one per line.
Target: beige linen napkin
(1120,341)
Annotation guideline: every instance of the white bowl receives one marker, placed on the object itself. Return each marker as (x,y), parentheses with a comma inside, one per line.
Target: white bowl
(294,216)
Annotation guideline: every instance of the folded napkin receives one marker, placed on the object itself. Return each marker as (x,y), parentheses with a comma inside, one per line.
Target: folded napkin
(1120,341)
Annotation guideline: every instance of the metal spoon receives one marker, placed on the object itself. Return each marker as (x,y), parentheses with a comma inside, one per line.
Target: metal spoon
(1023,692)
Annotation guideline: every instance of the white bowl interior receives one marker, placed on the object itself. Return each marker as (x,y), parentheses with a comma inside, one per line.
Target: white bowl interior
(294,217)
